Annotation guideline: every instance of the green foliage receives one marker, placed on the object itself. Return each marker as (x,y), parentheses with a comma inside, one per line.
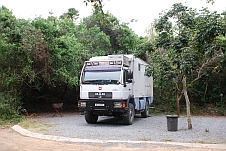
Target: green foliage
(94,40)
(71,14)
(46,53)
(34,55)
(64,53)
(221,41)
(122,38)
(67,60)
(9,109)
(41,54)
(143,48)
(126,39)
(190,43)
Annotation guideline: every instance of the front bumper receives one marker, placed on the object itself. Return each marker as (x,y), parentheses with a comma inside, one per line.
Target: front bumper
(102,107)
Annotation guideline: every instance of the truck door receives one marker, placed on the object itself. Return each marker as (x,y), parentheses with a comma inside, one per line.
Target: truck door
(127,88)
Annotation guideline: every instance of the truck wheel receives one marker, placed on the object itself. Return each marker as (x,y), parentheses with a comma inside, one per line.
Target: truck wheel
(90,117)
(146,111)
(128,116)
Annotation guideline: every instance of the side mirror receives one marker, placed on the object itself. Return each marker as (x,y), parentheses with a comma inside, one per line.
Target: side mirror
(79,75)
(130,74)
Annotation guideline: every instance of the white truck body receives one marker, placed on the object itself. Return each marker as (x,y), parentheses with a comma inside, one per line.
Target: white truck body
(108,84)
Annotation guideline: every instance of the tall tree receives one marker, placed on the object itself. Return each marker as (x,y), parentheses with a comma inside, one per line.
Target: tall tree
(189,43)
(72,14)
(65,52)
(94,40)
(122,38)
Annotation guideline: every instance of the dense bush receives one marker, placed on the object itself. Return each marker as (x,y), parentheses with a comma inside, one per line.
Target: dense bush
(191,44)
(38,55)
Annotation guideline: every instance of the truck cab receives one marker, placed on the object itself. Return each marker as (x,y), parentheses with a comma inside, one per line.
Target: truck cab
(107,88)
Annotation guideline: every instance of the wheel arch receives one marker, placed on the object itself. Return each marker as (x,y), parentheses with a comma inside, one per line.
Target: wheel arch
(130,99)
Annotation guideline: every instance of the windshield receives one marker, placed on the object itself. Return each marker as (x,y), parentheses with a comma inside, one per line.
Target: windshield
(101,77)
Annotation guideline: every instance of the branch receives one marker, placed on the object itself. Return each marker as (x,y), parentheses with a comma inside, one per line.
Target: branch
(199,72)
(180,93)
(209,61)
(177,85)
(101,7)
(97,4)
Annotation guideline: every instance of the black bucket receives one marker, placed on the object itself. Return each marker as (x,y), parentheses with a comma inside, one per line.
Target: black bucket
(172,122)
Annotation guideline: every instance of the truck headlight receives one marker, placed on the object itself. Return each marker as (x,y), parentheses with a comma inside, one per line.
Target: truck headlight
(119,104)
(81,104)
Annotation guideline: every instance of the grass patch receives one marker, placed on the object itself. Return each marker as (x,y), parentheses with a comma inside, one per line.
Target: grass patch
(204,142)
(10,122)
(208,109)
(143,139)
(33,126)
(167,140)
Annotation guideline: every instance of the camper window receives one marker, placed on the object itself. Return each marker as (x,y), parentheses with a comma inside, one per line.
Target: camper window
(138,66)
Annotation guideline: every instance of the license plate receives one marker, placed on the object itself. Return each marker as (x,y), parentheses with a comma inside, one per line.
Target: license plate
(98,104)
(99,94)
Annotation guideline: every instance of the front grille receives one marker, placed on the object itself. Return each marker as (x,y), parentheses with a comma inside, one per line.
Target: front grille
(100,94)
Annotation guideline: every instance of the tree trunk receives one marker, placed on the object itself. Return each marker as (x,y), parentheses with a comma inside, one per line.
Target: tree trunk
(179,95)
(178,105)
(187,103)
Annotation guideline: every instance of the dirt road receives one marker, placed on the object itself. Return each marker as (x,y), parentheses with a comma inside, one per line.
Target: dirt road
(12,141)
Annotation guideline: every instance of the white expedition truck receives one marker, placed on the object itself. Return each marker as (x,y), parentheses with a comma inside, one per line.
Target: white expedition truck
(115,85)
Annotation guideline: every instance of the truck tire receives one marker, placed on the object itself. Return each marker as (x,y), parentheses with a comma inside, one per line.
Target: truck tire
(146,111)
(128,116)
(90,117)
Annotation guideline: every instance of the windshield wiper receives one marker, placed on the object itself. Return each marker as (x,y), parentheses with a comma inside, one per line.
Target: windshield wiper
(88,81)
(94,82)
(100,82)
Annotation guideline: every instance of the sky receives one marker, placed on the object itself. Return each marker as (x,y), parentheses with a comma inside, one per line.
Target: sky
(144,11)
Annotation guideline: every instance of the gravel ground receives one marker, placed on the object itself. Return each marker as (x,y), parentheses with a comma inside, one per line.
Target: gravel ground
(205,129)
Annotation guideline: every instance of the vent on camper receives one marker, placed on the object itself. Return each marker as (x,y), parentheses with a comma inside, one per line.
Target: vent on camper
(120,59)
